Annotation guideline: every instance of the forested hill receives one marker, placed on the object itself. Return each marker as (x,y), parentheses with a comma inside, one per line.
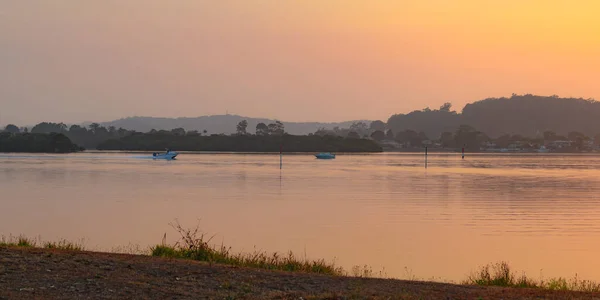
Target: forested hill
(526,115)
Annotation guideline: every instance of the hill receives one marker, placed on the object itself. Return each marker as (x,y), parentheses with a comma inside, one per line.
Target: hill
(526,115)
(216,124)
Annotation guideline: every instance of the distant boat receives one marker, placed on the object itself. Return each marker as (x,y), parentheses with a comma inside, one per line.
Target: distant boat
(325,156)
(543,150)
(167,155)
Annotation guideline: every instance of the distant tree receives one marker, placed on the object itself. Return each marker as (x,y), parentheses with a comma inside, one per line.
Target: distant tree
(94,127)
(378,135)
(446,107)
(37,142)
(578,139)
(12,128)
(359,127)
(204,131)
(221,142)
(389,135)
(276,128)
(112,130)
(503,141)
(25,130)
(574,135)
(468,137)
(262,129)
(321,131)
(447,139)
(78,132)
(178,131)
(410,137)
(241,127)
(193,133)
(377,125)
(46,127)
(122,132)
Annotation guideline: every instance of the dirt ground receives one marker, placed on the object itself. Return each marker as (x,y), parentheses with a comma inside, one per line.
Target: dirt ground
(27,273)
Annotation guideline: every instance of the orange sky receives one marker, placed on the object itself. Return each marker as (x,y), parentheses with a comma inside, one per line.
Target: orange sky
(296,60)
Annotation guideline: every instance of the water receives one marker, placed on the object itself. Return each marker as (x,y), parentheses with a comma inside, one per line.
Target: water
(539,212)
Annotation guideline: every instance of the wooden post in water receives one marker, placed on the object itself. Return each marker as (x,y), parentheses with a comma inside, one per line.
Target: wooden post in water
(280,156)
(425,157)
(463,152)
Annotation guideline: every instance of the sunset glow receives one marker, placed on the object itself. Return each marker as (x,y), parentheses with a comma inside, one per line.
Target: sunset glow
(78,61)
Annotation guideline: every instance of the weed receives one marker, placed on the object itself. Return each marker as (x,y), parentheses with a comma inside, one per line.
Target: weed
(64,245)
(194,244)
(500,274)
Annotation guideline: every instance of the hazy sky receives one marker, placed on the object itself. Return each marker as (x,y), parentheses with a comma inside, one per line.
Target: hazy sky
(296,60)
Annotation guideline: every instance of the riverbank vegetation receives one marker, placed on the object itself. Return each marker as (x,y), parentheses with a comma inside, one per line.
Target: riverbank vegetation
(23,241)
(36,143)
(240,143)
(501,274)
(195,245)
(520,123)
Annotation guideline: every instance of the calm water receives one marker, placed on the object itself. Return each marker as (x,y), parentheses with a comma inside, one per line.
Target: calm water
(385,210)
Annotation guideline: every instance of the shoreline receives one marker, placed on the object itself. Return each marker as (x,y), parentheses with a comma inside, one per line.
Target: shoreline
(192,267)
(27,273)
(431,152)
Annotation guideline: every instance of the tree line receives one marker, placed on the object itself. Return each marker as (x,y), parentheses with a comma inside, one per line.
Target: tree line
(524,119)
(266,138)
(36,143)
(240,143)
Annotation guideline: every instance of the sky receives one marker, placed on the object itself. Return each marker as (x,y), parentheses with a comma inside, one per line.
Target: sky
(295,60)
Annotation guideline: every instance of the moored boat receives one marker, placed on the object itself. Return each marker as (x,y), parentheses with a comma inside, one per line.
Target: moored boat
(325,156)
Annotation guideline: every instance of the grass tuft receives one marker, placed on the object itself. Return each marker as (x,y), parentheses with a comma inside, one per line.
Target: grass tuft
(195,245)
(500,274)
(19,241)
(64,245)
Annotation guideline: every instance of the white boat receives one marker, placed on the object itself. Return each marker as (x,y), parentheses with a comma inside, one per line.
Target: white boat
(167,155)
(543,150)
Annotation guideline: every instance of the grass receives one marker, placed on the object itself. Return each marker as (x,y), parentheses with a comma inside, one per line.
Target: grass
(25,242)
(500,274)
(19,241)
(195,245)
(64,245)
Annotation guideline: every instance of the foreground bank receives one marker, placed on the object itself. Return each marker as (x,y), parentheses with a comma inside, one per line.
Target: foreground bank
(29,273)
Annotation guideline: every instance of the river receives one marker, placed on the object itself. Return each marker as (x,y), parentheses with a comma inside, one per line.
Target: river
(541,213)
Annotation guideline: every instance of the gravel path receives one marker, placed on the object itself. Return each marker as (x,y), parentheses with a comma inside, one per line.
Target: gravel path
(27,273)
